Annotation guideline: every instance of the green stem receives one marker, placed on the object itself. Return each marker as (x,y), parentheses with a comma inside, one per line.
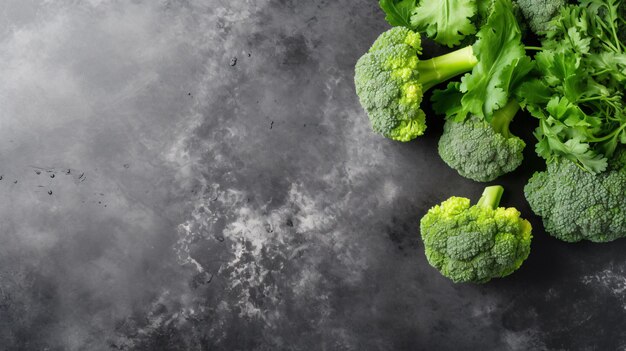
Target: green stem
(614,30)
(594,98)
(608,136)
(535,48)
(491,197)
(502,118)
(444,67)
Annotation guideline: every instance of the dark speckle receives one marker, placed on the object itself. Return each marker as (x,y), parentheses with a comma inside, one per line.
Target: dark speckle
(68,171)
(1,176)
(52,175)
(15,182)
(289,223)
(272,125)
(249,55)
(49,192)
(127,165)
(233,61)
(37,172)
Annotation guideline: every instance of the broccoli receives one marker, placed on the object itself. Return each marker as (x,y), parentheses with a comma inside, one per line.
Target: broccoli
(539,13)
(482,151)
(475,243)
(578,205)
(390,81)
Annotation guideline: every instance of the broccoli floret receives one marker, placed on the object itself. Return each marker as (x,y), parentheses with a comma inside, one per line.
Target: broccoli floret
(391,80)
(539,13)
(475,243)
(578,205)
(482,151)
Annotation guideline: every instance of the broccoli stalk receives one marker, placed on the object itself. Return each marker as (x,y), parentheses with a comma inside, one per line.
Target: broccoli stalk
(442,68)
(503,118)
(475,243)
(491,197)
(391,80)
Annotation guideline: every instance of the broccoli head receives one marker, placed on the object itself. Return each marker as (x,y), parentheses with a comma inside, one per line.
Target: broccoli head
(482,151)
(539,13)
(391,80)
(475,243)
(578,205)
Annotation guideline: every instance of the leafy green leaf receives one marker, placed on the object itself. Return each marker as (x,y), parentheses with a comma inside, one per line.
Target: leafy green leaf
(398,12)
(532,93)
(448,101)
(551,145)
(578,40)
(608,147)
(579,97)
(587,158)
(609,66)
(445,21)
(502,63)
(484,8)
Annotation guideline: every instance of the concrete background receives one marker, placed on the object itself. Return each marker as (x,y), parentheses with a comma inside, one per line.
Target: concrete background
(158,194)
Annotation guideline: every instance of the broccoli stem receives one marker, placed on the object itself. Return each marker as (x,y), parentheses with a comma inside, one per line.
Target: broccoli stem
(502,118)
(491,197)
(444,67)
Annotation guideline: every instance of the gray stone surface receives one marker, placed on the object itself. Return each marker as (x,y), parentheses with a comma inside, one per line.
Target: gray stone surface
(159,194)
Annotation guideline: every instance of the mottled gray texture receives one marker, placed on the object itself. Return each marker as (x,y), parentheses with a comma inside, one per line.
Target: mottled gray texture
(244,207)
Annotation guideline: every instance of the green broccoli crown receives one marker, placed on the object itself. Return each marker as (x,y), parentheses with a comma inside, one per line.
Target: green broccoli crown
(387,83)
(482,151)
(577,205)
(539,13)
(475,243)
(390,81)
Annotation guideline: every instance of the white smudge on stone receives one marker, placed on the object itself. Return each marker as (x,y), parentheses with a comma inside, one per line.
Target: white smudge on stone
(612,279)
(256,232)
